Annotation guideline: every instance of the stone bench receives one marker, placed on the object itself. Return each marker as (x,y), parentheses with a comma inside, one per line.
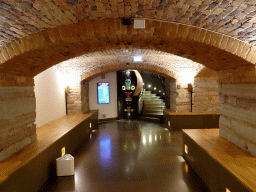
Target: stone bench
(177,121)
(220,164)
(30,168)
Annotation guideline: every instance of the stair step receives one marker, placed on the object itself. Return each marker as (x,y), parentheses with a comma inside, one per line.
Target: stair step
(153,101)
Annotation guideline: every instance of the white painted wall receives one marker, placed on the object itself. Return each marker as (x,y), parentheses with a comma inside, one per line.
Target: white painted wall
(50,96)
(109,109)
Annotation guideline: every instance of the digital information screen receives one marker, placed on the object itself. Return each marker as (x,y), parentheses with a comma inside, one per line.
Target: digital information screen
(103,93)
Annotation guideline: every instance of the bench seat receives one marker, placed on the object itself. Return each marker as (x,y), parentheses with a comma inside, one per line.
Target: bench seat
(31,167)
(176,121)
(219,163)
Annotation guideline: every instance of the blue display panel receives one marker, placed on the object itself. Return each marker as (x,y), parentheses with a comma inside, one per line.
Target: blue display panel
(103,93)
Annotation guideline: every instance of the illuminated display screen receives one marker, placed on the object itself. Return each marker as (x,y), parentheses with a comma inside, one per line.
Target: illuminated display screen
(103,93)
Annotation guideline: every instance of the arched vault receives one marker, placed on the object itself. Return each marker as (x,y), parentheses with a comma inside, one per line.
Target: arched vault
(37,52)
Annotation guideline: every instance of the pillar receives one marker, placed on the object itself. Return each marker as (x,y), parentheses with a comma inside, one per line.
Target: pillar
(17,113)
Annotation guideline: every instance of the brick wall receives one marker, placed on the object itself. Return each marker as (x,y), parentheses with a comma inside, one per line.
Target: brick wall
(17,115)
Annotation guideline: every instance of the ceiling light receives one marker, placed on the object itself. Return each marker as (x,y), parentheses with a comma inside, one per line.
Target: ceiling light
(137,58)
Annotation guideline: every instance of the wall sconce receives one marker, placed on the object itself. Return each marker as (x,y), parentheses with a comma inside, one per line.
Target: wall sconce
(90,125)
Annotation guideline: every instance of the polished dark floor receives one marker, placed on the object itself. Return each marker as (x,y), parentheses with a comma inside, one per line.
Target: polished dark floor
(130,155)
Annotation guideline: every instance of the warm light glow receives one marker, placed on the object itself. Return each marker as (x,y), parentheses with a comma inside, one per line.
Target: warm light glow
(137,58)
(154,88)
(63,151)
(186,149)
(227,190)
(70,80)
(144,141)
(149,86)
(150,138)
(169,123)
(90,125)
(187,77)
(186,167)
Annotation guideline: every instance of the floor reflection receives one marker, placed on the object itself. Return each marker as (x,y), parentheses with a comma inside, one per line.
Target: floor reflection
(129,155)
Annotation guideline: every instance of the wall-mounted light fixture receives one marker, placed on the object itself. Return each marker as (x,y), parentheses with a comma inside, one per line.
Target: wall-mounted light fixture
(90,125)
(139,24)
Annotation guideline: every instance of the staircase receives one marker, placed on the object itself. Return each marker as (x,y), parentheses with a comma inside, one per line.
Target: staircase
(153,107)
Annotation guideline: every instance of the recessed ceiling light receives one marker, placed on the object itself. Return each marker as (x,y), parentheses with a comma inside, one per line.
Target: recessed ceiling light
(137,58)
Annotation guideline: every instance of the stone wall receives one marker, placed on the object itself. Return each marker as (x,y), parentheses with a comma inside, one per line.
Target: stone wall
(173,95)
(78,97)
(183,98)
(238,107)
(74,103)
(238,115)
(17,115)
(205,97)
(85,96)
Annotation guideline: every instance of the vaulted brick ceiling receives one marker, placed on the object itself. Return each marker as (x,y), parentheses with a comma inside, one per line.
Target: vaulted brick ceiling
(236,18)
(167,64)
(42,33)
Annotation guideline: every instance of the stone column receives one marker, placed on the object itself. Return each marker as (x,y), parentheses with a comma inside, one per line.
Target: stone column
(85,96)
(78,97)
(17,114)
(238,107)
(183,97)
(74,104)
(205,96)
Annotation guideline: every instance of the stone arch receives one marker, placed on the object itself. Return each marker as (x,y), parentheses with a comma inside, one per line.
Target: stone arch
(115,67)
(37,52)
